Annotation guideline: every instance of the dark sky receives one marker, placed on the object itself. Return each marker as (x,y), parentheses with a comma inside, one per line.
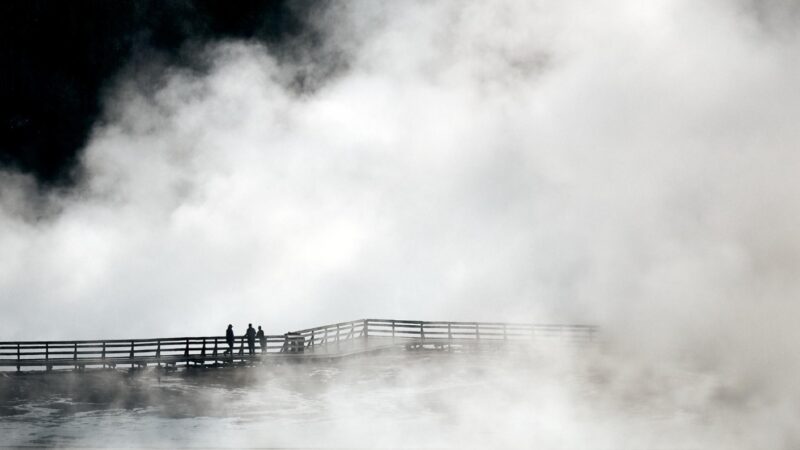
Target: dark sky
(58,56)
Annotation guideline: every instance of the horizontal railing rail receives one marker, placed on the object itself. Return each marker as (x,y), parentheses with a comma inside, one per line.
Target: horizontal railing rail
(215,349)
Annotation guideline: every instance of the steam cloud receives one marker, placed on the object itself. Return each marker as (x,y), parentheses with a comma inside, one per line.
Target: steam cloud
(632,165)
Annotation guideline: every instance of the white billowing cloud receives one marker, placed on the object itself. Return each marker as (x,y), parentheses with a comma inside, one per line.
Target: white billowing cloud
(627,164)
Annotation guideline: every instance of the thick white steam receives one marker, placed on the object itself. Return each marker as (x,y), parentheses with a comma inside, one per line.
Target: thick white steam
(628,164)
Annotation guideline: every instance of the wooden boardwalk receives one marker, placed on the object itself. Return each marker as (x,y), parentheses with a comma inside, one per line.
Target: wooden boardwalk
(328,341)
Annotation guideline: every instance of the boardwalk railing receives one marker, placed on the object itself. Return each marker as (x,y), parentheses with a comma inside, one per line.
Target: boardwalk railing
(136,352)
(331,338)
(438,333)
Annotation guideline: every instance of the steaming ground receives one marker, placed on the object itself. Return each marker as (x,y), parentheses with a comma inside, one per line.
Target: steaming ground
(558,396)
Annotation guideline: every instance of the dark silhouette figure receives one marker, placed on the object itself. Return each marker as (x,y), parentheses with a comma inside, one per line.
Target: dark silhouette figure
(251,338)
(229,339)
(262,339)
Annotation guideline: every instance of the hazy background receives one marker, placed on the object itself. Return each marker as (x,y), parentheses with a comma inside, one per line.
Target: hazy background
(626,164)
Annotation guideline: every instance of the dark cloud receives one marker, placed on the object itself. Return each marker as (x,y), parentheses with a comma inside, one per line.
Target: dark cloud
(58,57)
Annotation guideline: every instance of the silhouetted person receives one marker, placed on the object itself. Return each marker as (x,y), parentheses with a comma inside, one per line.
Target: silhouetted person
(262,339)
(251,338)
(229,339)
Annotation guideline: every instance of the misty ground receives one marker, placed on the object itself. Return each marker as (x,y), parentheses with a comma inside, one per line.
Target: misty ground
(562,396)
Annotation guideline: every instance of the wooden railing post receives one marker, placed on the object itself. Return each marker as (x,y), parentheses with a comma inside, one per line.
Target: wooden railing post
(46,351)
(422,330)
(203,352)
(133,351)
(215,349)
(19,358)
(365,331)
(158,352)
(449,337)
(477,331)
(311,343)
(186,352)
(103,355)
(393,325)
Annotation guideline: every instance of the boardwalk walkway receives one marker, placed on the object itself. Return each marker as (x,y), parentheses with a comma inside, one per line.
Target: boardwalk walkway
(327,341)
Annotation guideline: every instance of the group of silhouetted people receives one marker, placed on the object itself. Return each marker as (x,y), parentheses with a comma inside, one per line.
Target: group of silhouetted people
(251,335)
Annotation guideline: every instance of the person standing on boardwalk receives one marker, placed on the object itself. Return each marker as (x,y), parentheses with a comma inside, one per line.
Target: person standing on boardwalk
(229,339)
(262,339)
(251,338)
